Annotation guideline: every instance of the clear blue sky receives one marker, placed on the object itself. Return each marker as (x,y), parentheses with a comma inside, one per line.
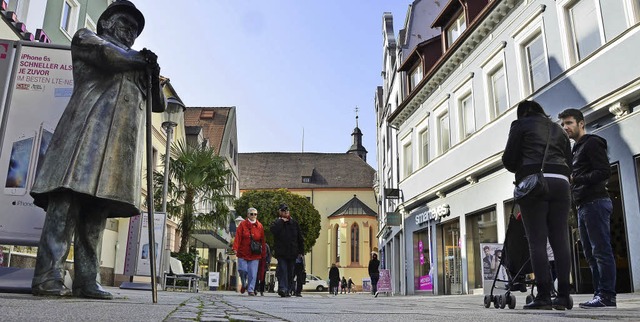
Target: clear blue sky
(285,64)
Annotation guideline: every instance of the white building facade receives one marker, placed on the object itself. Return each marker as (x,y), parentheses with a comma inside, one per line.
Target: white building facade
(460,90)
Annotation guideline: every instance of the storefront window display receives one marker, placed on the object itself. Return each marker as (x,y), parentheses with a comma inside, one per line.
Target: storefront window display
(481,228)
(422,261)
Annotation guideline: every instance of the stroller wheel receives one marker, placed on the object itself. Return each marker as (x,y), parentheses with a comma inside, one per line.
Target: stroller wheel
(512,301)
(487,301)
(570,303)
(529,298)
(503,301)
(496,303)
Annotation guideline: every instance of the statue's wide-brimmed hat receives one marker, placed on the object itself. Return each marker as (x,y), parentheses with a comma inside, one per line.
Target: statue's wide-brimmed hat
(125,7)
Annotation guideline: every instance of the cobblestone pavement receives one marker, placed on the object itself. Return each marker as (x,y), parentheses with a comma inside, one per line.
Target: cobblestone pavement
(313,307)
(215,308)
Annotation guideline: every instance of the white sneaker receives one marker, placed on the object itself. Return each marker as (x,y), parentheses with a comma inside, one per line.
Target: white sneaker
(376,294)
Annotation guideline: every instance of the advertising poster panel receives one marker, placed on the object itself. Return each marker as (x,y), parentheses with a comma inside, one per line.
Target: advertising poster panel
(214,280)
(143,264)
(491,254)
(384,283)
(37,97)
(7,51)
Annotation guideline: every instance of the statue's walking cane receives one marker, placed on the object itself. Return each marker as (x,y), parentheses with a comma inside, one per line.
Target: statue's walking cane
(152,244)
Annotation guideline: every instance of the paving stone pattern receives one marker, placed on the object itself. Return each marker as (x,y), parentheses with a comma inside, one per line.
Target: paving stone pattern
(215,308)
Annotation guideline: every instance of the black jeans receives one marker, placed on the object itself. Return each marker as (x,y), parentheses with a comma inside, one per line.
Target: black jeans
(284,272)
(547,217)
(374,283)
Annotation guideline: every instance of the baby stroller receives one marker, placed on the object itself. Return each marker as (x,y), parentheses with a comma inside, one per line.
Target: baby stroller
(516,261)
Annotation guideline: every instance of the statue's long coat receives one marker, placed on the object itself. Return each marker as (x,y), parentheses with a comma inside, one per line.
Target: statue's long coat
(98,144)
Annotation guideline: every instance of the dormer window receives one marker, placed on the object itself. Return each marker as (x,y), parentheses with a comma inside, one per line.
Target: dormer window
(457,27)
(306,179)
(415,76)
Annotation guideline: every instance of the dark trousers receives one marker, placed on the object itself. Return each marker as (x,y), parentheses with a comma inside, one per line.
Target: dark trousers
(301,277)
(374,283)
(547,217)
(70,214)
(594,224)
(284,271)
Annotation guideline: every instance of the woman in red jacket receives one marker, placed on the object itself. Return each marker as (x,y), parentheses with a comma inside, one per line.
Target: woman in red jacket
(248,260)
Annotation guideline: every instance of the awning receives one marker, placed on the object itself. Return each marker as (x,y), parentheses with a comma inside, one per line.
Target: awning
(211,239)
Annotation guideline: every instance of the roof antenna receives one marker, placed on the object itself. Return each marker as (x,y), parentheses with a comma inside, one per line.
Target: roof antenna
(303,139)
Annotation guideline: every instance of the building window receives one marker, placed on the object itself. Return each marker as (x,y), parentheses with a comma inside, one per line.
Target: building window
(337,247)
(531,53)
(592,23)
(444,132)
(69,17)
(407,157)
(415,76)
(306,179)
(89,24)
(424,147)
(355,243)
(457,27)
(537,65)
(467,115)
(497,91)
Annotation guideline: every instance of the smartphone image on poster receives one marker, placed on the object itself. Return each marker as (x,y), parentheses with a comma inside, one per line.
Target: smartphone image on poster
(43,139)
(19,165)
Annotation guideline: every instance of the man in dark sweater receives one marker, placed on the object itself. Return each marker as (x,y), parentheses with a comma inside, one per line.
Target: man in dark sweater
(590,173)
(288,245)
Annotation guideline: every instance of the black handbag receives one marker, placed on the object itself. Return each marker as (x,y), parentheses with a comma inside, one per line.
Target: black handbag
(533,185)
(256,246)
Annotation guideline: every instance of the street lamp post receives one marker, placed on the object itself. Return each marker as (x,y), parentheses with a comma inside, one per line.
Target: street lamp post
(174,107)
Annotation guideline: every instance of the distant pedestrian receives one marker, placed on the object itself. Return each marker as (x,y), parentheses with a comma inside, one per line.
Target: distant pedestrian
(589,176)
(263,268)
(334,279)
(350,284)
(288,245)
(343,285)
(248,261)
(374,273)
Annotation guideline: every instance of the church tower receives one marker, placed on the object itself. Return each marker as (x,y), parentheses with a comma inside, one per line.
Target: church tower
(356,146)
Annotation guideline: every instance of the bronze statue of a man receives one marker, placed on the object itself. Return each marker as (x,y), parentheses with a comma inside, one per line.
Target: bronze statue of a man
(92,168)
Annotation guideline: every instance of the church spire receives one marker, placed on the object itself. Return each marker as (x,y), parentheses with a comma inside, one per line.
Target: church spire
(356,146)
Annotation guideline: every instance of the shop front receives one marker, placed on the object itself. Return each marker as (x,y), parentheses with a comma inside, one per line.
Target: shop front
(421,254)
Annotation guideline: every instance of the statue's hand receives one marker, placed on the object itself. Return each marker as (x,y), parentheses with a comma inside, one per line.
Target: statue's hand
(151,60)
(150,57)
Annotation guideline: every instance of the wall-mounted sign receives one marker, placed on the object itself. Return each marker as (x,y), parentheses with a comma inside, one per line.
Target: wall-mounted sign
(393,219)
(429,214)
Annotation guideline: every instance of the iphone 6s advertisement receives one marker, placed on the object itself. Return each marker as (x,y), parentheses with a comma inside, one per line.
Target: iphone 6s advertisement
(36,92)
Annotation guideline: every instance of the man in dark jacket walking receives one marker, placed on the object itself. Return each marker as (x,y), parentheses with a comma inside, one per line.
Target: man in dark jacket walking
(288,245)
(591,170)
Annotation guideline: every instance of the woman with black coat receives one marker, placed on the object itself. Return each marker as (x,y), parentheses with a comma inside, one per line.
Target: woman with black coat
(544,216)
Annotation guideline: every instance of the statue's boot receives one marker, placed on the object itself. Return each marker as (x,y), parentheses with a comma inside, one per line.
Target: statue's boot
(50,288)
(89,229)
